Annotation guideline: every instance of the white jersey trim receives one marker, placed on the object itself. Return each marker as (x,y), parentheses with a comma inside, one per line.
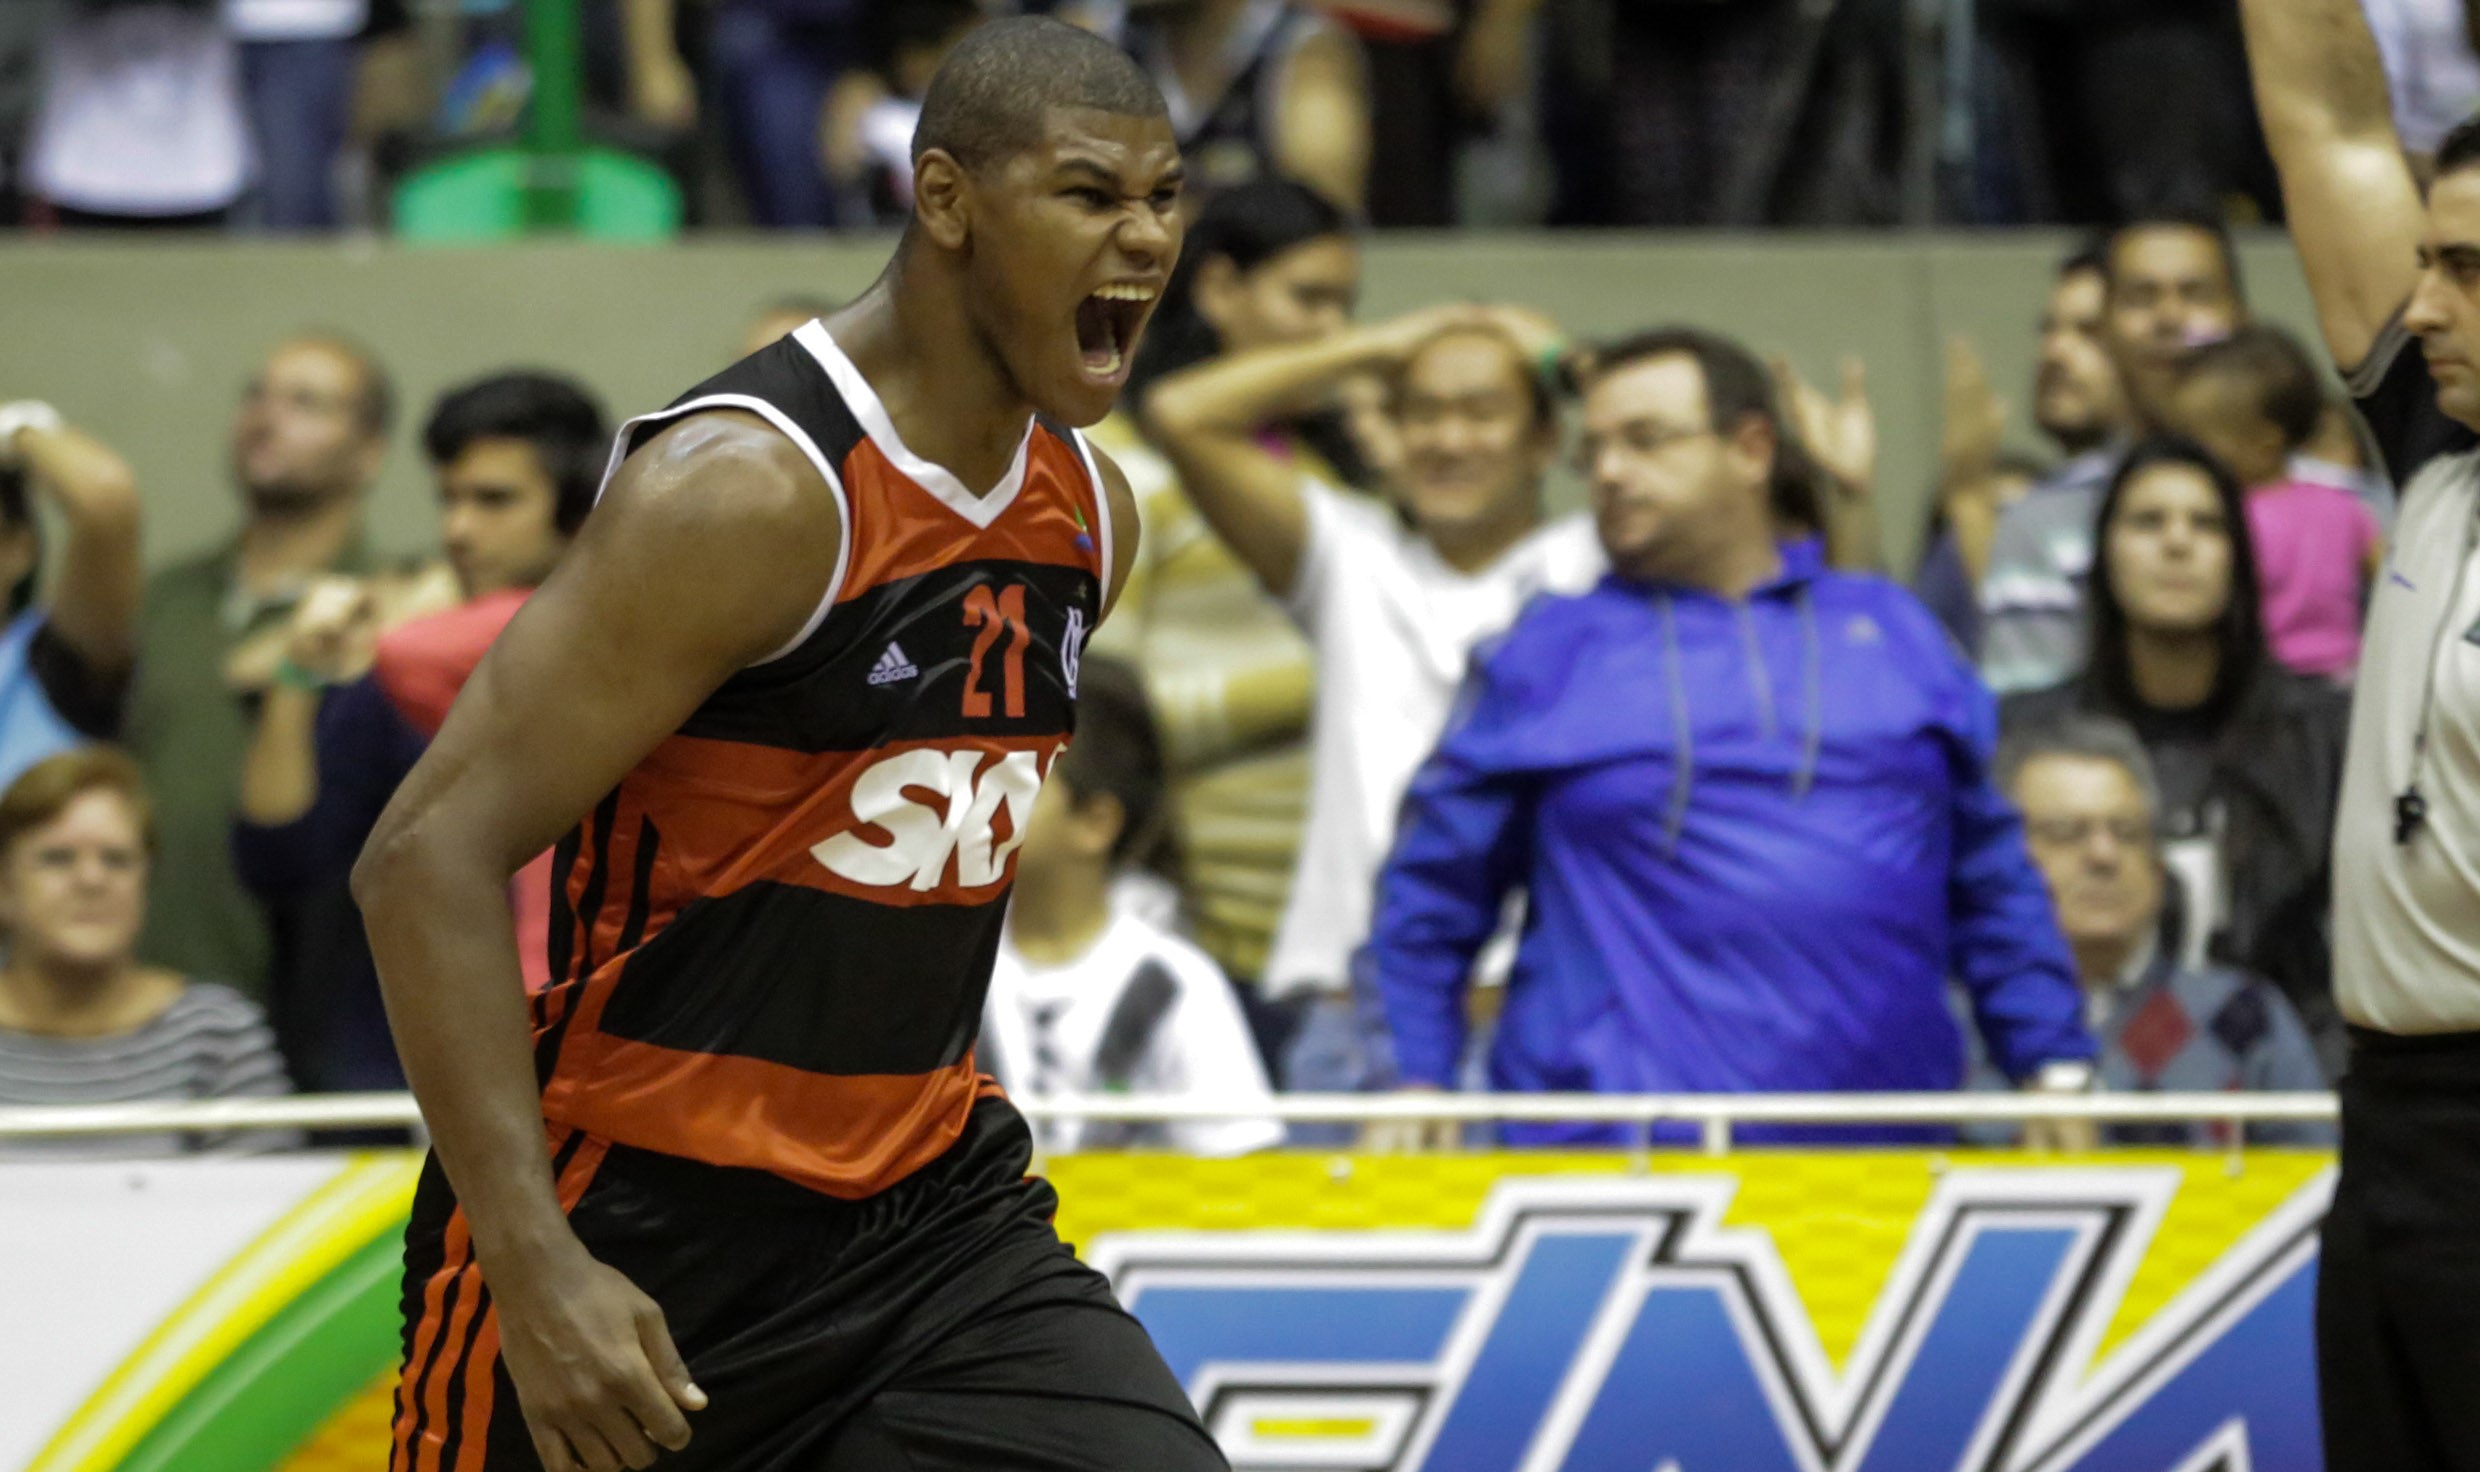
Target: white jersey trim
(808,447)
(1103,528)
(938,480)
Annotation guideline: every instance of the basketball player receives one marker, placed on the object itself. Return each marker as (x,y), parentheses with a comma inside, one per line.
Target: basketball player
(734,1195)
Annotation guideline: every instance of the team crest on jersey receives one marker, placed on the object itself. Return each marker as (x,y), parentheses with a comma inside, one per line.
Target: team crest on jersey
(1617,1325)
(1072,647)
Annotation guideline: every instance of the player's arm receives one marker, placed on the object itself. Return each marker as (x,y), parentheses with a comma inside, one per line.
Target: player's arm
(2354,209)
(1207,419)
(709,549)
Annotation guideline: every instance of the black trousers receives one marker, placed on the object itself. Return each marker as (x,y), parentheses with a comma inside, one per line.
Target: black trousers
(2398,1278)
(940,1326)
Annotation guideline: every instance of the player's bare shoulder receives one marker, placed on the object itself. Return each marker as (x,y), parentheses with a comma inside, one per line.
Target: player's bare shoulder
(1127,527)
(728,464)
(721,510)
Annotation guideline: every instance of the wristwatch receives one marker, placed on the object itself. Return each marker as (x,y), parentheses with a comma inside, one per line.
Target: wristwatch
(2063,1076)
(23,414)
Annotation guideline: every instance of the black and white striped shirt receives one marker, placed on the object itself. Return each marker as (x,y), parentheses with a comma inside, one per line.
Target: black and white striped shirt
(211,1043)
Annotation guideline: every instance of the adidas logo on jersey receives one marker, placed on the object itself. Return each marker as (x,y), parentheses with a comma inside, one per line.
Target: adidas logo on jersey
(892,666)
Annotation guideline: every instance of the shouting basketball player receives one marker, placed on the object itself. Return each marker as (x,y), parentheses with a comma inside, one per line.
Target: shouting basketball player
(734,1195)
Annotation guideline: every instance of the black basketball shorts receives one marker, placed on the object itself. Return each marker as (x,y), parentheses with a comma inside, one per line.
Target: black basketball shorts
(938,1325)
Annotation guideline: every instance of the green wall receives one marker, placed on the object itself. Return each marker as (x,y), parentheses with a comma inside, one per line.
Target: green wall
(149,344)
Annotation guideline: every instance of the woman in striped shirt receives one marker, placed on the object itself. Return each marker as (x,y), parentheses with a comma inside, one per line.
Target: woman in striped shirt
(81,1020)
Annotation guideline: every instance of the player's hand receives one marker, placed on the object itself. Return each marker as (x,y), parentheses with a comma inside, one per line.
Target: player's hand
(597,1375)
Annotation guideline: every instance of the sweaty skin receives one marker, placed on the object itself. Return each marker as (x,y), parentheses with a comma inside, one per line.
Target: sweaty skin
(709,549)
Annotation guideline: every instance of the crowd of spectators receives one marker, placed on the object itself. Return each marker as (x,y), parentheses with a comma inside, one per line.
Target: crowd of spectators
(1388,777)
(301,114)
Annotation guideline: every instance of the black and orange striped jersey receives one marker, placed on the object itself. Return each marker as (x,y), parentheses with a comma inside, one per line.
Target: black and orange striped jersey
(770,942)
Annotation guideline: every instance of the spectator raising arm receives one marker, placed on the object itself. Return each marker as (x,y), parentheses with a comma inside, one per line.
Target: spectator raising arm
(662,89)
(2354,209)
(1840,434)
(1974,433)
(333,633)
(1208,420)
(1322,119)
(93,609)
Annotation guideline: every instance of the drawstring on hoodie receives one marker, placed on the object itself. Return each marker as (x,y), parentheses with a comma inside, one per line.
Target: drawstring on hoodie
(1683,730)
(1812,741)
(1683,735)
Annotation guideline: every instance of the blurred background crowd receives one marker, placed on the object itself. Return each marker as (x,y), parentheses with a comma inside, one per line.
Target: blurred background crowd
(293,115)
(1391,774)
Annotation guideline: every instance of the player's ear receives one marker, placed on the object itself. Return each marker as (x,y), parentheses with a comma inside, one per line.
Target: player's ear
(942,194)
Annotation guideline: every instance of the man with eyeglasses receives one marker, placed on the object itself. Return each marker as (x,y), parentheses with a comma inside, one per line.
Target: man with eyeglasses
(1749,798)
(307,441)
(2091,811)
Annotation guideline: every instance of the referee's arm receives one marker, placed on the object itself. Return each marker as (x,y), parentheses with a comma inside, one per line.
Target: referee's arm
(2354,208)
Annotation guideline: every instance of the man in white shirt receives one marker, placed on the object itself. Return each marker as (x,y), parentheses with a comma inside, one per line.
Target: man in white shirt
(2398,1276)
(1090,996)
(140,117)
(1393,598)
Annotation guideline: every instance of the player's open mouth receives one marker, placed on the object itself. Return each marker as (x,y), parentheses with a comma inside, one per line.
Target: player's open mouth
(1106,328)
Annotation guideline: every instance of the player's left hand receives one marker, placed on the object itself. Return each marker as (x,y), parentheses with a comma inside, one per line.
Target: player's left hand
(600,1382)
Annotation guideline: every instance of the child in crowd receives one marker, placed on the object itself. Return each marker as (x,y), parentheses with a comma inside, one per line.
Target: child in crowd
(2254,400)
(1090,995)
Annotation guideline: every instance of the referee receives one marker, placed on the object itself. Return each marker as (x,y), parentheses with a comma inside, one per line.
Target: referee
(2397,287)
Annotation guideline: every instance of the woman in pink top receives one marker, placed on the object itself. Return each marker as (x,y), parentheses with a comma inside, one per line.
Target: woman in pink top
(2253,399)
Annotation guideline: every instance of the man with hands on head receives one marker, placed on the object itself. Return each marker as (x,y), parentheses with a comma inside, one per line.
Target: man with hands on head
(1392,598)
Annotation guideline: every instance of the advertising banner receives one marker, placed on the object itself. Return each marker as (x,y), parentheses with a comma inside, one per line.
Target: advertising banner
(1853,1311)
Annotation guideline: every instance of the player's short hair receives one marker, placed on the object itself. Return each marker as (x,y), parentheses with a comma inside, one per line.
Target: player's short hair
(555,415)
(1118,753)
(990,95)
(1737,387)
(2460,149)
(2276,369)
(2204,225)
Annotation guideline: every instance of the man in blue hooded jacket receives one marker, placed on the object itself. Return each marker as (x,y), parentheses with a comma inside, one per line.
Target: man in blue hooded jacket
(1750,799)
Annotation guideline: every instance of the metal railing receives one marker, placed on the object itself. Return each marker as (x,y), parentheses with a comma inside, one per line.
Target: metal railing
(1715,1116)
